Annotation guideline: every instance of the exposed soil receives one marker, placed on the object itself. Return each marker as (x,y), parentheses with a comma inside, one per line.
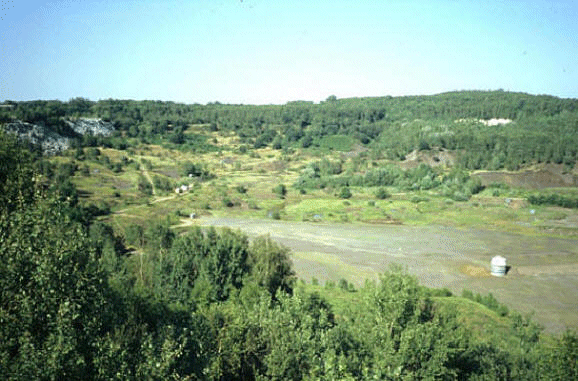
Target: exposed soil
(545,176)
(543,277)
(433,158)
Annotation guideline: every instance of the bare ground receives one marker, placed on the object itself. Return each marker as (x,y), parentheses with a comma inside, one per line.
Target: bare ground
(540,177)
(543,277)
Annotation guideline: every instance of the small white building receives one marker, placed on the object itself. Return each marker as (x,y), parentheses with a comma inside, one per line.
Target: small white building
(498,266)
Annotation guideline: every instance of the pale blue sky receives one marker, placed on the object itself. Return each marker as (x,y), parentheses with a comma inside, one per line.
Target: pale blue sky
(274,51)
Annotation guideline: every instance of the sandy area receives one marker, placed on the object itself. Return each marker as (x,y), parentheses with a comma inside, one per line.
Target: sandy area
(543,277)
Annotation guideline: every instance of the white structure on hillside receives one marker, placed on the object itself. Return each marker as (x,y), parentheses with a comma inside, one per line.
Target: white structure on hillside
(498,266)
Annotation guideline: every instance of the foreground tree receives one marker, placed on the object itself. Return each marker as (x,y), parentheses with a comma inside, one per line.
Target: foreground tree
(53,297)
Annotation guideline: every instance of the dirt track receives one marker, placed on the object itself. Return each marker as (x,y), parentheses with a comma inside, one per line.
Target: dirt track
(543,276)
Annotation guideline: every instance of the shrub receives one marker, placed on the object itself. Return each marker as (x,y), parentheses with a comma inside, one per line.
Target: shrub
(162,183)
(460,196)
(274,215)
(382,194)
(144,186)
(280,190)
(345,192)
(343,284)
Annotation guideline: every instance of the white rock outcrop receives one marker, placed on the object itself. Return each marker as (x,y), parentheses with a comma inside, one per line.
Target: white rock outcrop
(92,126)
(50,142)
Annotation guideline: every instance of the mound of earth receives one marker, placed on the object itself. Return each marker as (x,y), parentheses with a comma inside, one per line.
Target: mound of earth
(433,158)
(547,176)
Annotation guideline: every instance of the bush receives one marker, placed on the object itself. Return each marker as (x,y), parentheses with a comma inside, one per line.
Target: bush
(275,214)
(418,199)
(144,186)
(345,192)
(280,190)
(460,196)
(162,183)
(344,285)
(382,194)
(563,200)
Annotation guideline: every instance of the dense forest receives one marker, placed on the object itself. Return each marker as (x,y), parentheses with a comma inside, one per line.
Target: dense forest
(78,300)
(543,129)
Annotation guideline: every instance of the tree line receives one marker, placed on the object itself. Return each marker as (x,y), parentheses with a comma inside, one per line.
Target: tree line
(543,128)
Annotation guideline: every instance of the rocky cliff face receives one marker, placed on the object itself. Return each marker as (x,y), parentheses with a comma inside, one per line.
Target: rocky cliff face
(84,126)
(52,142)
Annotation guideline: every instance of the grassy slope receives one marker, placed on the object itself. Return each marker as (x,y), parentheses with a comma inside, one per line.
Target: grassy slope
(260,170)
(475,317)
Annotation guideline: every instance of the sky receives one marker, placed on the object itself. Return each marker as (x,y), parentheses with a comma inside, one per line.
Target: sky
(276,51)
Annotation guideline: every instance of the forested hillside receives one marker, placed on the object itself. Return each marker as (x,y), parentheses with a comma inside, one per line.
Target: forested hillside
(542,128)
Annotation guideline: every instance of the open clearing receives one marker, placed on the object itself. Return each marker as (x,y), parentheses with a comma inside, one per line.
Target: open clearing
(543,277)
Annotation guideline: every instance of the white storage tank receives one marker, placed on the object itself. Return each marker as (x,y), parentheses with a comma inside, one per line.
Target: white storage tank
(498,267)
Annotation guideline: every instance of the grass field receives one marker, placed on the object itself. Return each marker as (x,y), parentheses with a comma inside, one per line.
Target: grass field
(242,185)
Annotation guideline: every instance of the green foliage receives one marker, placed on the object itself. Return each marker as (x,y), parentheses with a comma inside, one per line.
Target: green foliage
(134,235)
(488,301)
(542,128)
(206,304)
(203,267)
(162,183)
(196,170)
(565,200)
(382,193)
(561,361)
(53,296)
(241,189)
(337,142)
(271,266)
(280,190)
(345,192)
(144,186)
(228,202)
(17,184)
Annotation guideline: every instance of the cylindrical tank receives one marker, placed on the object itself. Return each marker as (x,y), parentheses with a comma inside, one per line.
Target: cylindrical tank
(498,266)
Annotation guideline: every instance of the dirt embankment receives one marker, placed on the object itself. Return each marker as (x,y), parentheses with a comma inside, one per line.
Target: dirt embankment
(545,176)
(433,158)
